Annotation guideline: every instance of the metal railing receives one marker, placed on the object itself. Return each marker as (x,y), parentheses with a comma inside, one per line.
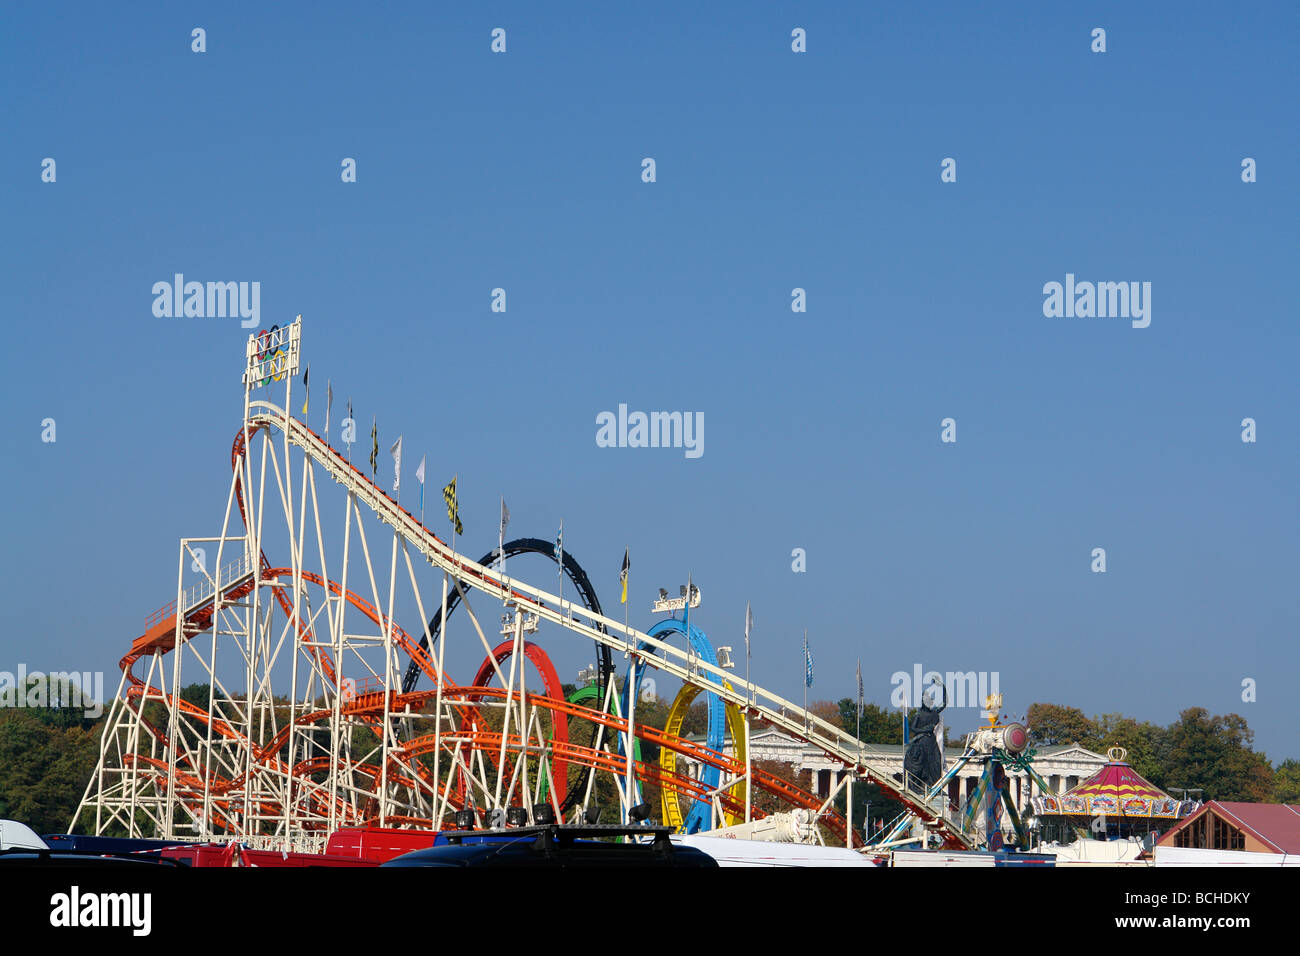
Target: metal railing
(196,595)
(353,687)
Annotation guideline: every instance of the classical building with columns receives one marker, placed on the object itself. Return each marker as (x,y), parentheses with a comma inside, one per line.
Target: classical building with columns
(1062,766)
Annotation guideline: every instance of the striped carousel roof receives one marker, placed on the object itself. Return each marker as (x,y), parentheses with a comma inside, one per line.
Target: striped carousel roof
(1116,790)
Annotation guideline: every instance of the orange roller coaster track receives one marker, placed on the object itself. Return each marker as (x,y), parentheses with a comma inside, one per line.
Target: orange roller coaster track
(348,745)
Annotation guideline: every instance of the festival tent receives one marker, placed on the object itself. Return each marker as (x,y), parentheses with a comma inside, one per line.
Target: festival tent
(1116,795)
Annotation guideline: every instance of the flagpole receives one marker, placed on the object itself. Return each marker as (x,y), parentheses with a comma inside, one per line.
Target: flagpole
(749,701)
(848,806)
(559,560)
(632,674)
(805,678)
(437,708)
(631,714)
(442,647)
(858,734)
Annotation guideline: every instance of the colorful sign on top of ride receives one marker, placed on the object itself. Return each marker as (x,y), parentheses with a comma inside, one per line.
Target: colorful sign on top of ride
(272,354)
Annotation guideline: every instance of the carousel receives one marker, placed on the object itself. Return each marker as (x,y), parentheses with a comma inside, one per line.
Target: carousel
(1116,802)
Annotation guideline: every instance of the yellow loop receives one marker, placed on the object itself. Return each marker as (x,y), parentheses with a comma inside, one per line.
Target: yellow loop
(670,800)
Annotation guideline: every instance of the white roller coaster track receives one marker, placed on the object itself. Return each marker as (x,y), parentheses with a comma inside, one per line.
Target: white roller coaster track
(934,813)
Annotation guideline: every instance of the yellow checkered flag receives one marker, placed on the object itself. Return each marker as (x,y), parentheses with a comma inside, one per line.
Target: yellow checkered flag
(453,513)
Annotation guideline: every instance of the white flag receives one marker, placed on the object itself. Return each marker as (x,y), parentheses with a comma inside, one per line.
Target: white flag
(396,451)
(501,535)
(749,624)
(329,403)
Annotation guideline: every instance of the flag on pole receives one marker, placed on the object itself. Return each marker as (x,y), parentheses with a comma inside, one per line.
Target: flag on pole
(501,534)
(807,662)
(396,452)
(749,625)
(419,476)
(349,430)
(329,404)
(374,448)
(859,688)
(307,397)
(453,512)
(686,609)
(622,577)
(559,547)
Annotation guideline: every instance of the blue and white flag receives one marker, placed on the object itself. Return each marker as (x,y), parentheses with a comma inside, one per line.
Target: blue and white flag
(807,662)
(419,476)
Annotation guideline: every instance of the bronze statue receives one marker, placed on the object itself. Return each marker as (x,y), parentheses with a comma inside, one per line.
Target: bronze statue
(923,761)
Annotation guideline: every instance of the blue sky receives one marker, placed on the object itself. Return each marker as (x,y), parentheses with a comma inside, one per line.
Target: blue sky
(775,170)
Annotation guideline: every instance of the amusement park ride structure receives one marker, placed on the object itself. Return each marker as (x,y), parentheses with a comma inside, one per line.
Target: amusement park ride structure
(310,715)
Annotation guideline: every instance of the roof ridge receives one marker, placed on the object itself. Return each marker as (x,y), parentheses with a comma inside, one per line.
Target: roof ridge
(1246,825)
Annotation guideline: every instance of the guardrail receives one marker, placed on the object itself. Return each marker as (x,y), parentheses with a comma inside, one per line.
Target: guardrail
(196,595)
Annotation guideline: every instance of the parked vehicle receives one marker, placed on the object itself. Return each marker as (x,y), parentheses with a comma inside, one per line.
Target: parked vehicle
(556,845)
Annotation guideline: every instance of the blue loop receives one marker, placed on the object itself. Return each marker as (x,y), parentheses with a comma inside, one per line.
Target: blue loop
(700,815)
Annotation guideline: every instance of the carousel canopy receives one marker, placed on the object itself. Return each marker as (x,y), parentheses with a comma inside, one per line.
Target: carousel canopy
(1116,790)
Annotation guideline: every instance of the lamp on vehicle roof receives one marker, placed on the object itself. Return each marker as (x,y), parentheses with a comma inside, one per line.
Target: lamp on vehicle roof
(639,813)
(517,817)
(465,819)
(543,814)
(591,815)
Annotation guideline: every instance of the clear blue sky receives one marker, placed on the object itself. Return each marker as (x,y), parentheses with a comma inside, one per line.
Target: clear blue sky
(775,170)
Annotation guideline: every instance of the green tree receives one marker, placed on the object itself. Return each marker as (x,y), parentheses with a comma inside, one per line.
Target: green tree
(43,769)
(1147,744)
(1052,724)
(879,726)
(1214,753)
(1286,781)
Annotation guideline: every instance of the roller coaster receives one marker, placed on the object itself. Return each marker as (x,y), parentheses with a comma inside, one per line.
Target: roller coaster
(273,703)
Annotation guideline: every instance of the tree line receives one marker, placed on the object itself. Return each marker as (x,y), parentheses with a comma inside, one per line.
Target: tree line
(48,754)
